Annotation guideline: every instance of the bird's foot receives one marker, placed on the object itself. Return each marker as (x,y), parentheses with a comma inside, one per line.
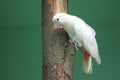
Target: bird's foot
(74,43)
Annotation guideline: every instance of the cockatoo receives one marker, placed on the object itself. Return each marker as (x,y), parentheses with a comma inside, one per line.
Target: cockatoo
(82,35)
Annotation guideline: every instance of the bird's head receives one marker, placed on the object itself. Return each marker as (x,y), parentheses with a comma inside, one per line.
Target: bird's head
(60,19)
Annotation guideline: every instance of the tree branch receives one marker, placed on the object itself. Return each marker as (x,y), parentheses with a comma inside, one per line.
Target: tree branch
(58,60)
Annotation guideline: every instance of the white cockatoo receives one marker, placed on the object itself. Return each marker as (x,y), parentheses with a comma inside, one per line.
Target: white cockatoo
(82,35)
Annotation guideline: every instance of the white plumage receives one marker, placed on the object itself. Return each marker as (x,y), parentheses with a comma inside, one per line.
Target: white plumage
(81,34)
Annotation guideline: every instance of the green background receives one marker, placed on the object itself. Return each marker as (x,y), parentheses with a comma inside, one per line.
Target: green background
(20,38)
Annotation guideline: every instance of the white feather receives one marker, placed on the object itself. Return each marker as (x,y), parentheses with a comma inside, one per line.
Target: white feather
(81,33)
(87,39)
(87,66)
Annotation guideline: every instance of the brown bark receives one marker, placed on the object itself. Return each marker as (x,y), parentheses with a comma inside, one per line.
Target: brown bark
(58,60)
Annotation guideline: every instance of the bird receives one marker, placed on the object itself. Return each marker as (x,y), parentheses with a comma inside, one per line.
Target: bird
(82,35)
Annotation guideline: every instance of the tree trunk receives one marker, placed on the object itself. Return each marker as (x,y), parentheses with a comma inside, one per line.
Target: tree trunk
(58,59)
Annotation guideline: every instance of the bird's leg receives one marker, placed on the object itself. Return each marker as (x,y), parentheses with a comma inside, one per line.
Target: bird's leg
(74,43)
(67,42)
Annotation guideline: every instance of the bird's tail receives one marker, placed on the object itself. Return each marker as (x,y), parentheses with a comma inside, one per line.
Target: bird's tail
(87,63)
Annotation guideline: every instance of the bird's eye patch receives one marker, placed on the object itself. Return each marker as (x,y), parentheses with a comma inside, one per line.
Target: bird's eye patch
(57,19)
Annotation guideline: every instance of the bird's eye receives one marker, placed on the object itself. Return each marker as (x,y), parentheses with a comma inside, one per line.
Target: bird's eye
(57,19)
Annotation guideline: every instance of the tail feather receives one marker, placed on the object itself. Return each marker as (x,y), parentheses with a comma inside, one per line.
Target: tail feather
(98,60)
(87,65)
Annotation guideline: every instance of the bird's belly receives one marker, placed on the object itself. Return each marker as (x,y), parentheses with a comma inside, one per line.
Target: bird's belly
(73,36)
(76,40)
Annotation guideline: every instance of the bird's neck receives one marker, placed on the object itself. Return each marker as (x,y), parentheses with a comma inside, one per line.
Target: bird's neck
(69,29)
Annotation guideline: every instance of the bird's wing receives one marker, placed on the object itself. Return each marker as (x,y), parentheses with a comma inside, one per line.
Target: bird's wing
(87,40)
(79,20)
(90,44)
(92,30)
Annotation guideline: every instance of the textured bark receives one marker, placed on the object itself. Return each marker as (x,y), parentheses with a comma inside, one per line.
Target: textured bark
(58,60)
